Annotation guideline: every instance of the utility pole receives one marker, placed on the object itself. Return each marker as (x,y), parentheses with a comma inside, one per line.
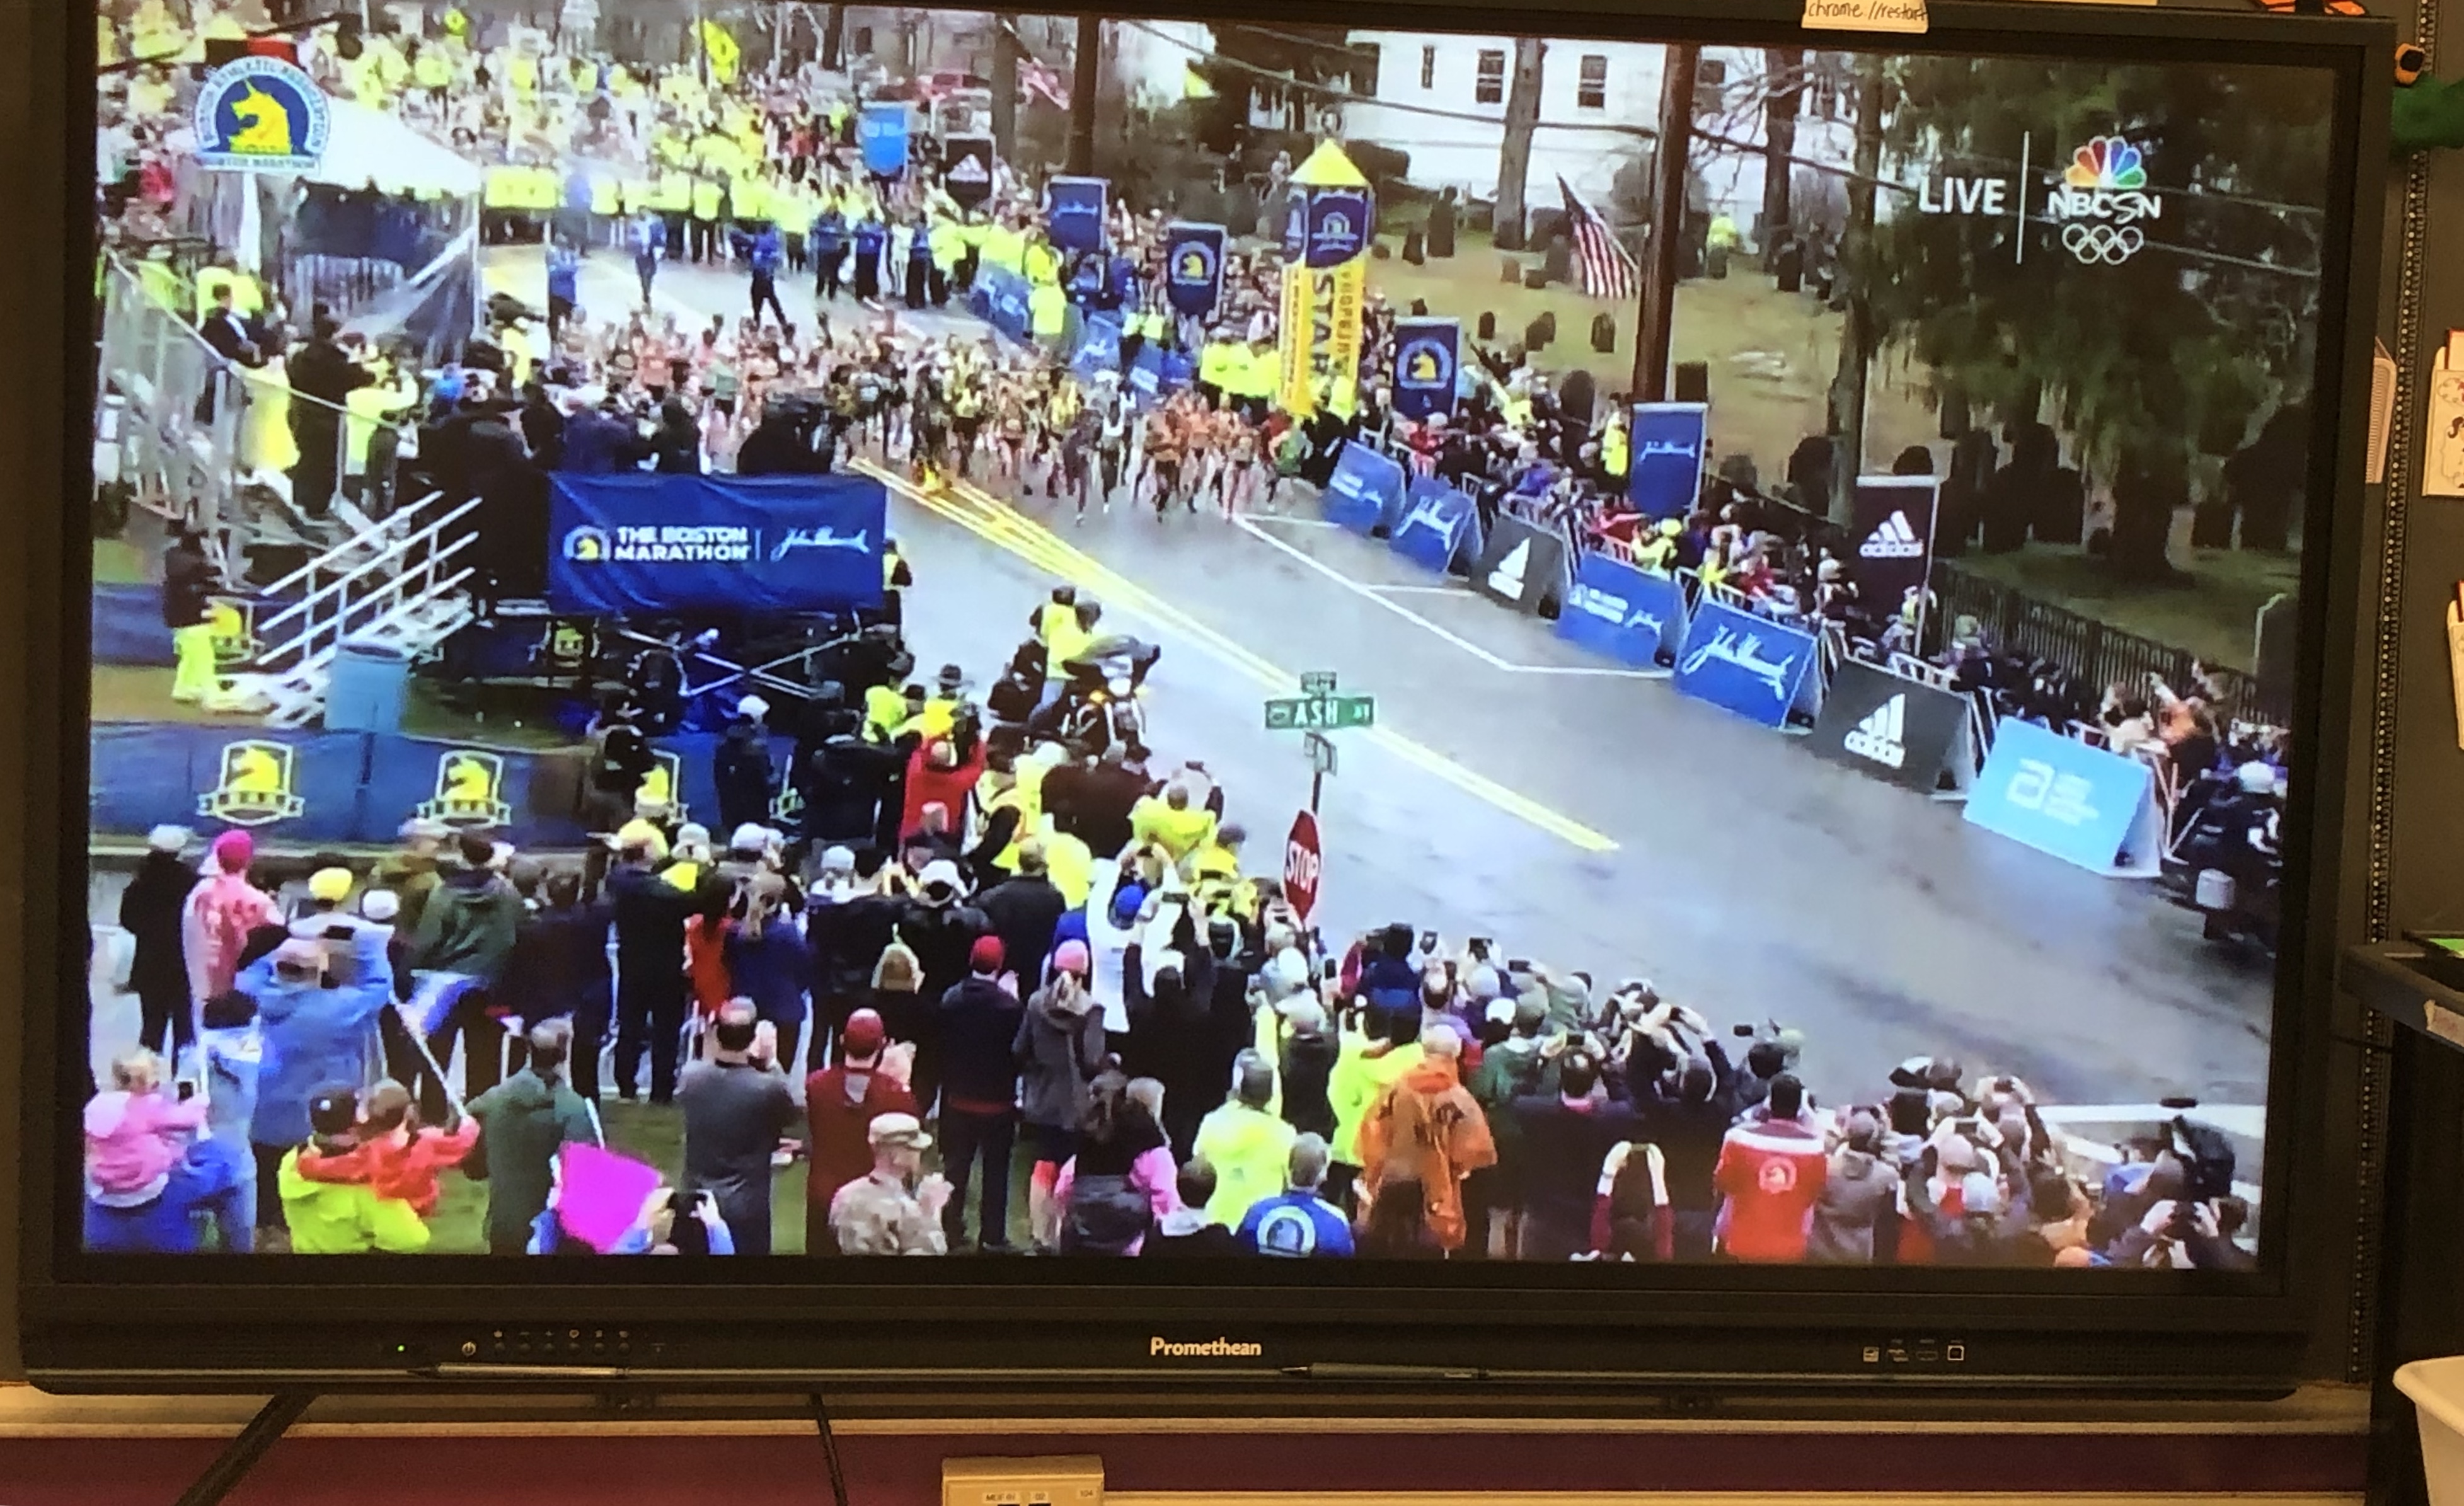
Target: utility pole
(1005,87)
(1082,94)
(1679,67)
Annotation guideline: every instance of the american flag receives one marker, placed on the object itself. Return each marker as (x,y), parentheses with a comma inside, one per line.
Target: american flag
(1607,269)
(1039,78)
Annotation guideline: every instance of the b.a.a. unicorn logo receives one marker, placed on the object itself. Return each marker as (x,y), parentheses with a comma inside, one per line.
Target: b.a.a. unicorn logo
(662,789)
(585,544)
(230,626)
(1426,365)
(260,115)
(1194,263)
(254,785)
(469,790)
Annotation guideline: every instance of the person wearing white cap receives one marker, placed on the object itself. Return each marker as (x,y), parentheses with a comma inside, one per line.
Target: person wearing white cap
(150,909)
(890,1211)
(743,768)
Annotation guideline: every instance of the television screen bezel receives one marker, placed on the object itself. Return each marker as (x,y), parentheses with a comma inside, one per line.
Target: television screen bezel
(71,1302)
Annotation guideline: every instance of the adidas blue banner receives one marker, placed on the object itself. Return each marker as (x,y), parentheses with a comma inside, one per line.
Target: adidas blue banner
(881,131)
(1365,491)
(2084,805)
(1435,523)
(1665,446)
(1425,356)
(648,544)
(1193,259)
(1745,664)
(1075,213)
(1628,613)
(1894,532)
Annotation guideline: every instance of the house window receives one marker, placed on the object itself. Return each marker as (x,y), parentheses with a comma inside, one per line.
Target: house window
(1710,85)
(1591,88)
(1365,58)
(864,40)
(1488,87)
(1428,68)
(1822,91)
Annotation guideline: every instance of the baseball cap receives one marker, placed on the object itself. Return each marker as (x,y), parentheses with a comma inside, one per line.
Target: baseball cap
(168,839)
(898,1129)
(865,1034)
(751,836)
(425,827)
(333,1109)
(942,873)
(838,861)
(332,885)
(1980,1193)
(754,707)
(381,904)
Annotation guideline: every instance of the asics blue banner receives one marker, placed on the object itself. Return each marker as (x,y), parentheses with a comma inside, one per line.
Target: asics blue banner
(1749,665)
(2084,805)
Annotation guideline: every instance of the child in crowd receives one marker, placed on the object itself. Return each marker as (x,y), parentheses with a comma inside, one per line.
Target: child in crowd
(397,1157)
(135,1132)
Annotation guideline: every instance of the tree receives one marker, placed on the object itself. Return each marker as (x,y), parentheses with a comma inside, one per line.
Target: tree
(1005,85)
(1856,331)
(2151,369)
(1514,152)
(834,39)
(1244,53)
(1783,100)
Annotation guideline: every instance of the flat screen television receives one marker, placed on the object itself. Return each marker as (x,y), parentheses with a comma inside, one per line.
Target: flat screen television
(1654,704)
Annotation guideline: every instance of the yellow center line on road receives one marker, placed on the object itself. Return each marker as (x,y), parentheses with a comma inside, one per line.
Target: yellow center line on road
(1004,527)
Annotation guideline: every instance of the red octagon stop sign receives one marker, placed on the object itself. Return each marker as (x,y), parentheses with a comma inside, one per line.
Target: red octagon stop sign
(1301,860)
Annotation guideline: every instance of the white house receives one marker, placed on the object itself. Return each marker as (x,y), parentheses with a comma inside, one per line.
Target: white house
(1441,99)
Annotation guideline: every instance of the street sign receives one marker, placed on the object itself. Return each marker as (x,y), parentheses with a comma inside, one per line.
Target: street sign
(1302,863)
(1318,681)
(1321,753)
(1321,713)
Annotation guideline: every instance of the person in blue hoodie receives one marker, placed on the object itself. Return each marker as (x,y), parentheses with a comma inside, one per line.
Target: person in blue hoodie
(1389,987)
(762,252)
(769,964)
(646,238)
(827,238)
(232,1054)
(870,234)
(564,286)
(314,1032)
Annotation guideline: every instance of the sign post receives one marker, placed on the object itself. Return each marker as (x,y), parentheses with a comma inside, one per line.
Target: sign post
(1321,757)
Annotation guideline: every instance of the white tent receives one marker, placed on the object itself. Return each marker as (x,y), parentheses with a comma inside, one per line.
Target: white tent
(369,146)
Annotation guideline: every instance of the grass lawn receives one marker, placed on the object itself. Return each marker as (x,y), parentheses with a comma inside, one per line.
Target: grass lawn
(2214,616)
(1771,355)
(656,1135)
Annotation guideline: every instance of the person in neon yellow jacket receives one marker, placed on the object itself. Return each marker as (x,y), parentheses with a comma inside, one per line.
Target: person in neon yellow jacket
(1245,1143)
(1364,1069)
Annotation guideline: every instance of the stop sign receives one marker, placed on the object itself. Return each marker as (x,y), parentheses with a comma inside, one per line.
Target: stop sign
(1301,863)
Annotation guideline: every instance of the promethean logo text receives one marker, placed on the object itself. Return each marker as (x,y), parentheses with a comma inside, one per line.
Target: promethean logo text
(1212,1349)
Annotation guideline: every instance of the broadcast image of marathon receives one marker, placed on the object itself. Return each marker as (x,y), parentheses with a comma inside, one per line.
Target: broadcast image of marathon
(824,630)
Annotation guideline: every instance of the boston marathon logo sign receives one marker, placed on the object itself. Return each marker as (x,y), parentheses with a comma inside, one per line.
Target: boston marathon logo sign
(1193,265)
(469,790)
(718,544)
(255,785)
(260,115)
(2103,198)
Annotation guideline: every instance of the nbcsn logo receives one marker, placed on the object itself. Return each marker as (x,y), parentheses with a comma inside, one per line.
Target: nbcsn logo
(2102,197)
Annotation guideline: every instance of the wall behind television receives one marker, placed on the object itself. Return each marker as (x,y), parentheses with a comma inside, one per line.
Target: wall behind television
(2425,877)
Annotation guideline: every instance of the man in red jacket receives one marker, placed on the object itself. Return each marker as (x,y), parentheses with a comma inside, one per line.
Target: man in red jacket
(841,1103)
(1769,1176)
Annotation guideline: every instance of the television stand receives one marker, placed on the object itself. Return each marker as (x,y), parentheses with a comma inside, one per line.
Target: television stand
(240,1455)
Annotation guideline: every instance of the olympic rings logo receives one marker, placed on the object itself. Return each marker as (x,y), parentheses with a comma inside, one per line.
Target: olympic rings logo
(2108,244)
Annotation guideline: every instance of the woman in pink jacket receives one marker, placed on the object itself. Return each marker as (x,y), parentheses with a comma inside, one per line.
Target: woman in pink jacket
(221,911)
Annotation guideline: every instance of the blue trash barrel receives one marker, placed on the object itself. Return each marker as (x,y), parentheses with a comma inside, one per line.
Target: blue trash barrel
(368,685)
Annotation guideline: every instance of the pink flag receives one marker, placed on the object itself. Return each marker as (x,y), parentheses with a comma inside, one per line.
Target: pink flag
(601,1193)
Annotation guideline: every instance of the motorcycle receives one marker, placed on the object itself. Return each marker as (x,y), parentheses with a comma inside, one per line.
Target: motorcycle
(2235,868)
(1101,704)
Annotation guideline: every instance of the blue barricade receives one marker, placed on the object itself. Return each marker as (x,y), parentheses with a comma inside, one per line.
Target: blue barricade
(1745,664)
(128,625)
(1435,524)
(1099,345)
(1628,613)
(999,300)
(1365,492)
(2084,805)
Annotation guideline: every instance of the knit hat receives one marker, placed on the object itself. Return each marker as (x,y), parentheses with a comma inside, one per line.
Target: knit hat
(864,1036)
(234,851)
(751,836)
(943,874)
(381,904)
(1127,901)
(1484,983)
(1305,1015)
(426,828)
(1071,956)
(331,886)
(168,839)
(837,861)
(985,955)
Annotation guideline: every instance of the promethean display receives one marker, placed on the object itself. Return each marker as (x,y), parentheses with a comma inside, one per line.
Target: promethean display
(681,616)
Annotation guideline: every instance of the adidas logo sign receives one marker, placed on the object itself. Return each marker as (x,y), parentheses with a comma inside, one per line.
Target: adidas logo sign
(1892,539)
(1881,736)
(969,169)
(1507,580)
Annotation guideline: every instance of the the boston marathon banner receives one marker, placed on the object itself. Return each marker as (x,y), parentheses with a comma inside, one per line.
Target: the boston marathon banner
(650,544)
(1437,526)
(1193,259)
(881,132)
(1426,353)
(1366,490)
(1628,613)
(967,169)
(1075,213)
(1894,532)
(1749,665)
(1665,446)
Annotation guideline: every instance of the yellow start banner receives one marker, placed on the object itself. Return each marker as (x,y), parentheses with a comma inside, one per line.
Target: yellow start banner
(1351,289)
(1299,331)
